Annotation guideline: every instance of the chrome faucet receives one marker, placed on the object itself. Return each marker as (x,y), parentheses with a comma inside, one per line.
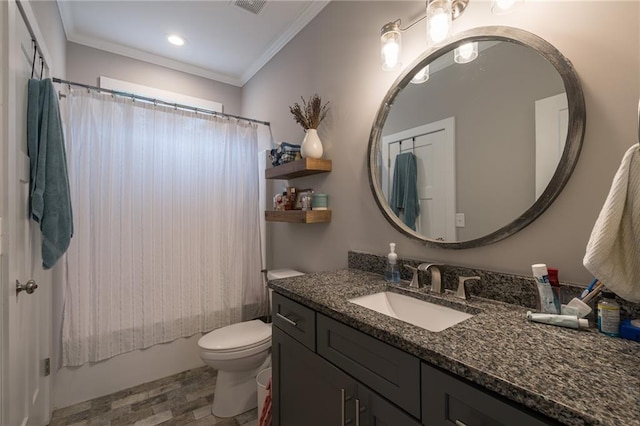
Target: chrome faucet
(462,290)
(436,277)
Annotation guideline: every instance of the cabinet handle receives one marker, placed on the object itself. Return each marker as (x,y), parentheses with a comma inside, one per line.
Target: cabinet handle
(459,423)
(293,323)
(358,412)
(343,410)
(342,405)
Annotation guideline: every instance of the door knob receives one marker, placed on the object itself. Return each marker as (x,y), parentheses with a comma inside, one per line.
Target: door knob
(29,287)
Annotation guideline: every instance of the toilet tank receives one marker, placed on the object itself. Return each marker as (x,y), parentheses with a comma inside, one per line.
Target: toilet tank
(277,274)
(282,273)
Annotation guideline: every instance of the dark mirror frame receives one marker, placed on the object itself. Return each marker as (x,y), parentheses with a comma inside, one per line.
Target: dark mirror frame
(573,145)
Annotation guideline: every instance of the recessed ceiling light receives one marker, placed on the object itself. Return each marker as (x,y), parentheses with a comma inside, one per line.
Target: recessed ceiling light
(176,40)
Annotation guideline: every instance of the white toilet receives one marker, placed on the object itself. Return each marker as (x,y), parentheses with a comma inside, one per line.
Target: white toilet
(239,351)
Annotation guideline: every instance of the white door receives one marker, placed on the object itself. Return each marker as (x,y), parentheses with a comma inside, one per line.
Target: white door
(25,325)
(552,123)
(433,145)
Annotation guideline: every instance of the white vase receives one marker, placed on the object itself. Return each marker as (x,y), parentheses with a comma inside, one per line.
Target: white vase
(311,145)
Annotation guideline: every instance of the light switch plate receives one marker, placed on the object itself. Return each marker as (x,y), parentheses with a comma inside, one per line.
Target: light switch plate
(459,220)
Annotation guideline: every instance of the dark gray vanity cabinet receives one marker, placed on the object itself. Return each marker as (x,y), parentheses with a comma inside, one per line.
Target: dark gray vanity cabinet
(326,373)
(309,390)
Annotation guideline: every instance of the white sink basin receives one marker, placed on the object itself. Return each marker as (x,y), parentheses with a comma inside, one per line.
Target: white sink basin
(423,314)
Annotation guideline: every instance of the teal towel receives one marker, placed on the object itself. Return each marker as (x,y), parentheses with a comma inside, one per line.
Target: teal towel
(49,186)
(404,189)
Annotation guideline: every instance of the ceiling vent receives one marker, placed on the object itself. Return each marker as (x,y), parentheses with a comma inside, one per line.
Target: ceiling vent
(253,6)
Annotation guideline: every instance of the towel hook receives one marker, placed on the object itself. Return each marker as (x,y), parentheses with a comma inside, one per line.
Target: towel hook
(33,62)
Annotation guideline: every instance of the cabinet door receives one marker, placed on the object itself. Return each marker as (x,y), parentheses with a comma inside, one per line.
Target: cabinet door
(389,371)
(448,401)
(377,411)
(307,390)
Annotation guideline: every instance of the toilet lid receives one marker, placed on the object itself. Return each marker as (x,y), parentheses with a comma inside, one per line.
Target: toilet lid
(236,336)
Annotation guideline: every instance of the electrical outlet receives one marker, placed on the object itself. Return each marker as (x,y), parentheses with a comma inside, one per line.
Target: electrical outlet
(459,220)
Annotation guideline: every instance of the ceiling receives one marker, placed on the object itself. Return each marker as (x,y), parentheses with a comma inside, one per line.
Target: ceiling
(224,41)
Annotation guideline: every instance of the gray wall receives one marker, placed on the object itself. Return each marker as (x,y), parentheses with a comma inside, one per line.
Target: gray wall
(493,102)
(50,23)
(86,64)
(337,55)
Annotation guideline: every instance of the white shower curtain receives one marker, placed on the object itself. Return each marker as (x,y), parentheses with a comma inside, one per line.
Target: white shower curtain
(166,215)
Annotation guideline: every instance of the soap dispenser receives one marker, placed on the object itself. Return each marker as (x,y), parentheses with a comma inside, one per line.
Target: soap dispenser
(392,272)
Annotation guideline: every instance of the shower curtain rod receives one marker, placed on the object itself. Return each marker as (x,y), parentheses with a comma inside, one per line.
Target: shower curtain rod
(158,101)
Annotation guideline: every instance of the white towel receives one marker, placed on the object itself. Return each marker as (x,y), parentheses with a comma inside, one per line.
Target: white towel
(614,246)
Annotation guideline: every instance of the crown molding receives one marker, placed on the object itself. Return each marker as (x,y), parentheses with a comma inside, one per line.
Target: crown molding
(290,32)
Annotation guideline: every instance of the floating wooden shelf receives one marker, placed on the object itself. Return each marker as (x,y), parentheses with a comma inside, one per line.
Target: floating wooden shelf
(300,168)
(298,216)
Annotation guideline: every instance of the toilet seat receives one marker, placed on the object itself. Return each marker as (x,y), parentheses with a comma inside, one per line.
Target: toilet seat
(236,340)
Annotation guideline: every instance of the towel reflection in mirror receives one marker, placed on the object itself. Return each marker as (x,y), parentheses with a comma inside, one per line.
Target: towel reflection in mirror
(404,189)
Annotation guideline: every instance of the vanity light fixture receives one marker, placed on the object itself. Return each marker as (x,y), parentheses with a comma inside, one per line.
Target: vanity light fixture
(466,53)
(439,15)
(390,44)
(176,40)
(438,21)
(421,76)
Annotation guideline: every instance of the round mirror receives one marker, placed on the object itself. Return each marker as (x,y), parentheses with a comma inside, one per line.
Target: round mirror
(476,138)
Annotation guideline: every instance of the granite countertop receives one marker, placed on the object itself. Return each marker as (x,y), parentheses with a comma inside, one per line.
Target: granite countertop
(578,377)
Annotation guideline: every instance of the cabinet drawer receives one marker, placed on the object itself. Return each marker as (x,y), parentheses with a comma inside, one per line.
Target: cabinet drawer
(394,374)
(296,320)
(447,400)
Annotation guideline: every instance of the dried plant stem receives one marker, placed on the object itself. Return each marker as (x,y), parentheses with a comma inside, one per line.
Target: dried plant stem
(311,113)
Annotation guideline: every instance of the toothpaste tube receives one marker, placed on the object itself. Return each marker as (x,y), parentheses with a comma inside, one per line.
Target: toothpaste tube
(547,299)
(568,321)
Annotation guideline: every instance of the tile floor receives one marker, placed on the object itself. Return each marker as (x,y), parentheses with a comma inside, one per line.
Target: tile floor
(182,399)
